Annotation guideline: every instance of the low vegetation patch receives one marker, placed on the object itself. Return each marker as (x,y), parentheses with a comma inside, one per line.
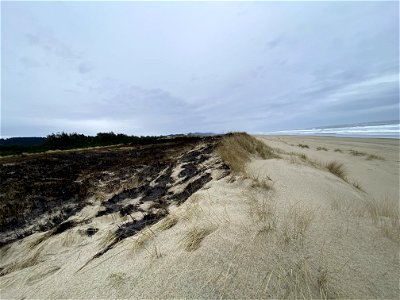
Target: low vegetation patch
(194,237)
(303,146)
(373,156)
(296,223)
(367,155)
(385,215)
(303,159)
(357,153)
(258,182)
(321,148)
(168,222)
(357,185)
(237,148)
(337,169)
(338,150)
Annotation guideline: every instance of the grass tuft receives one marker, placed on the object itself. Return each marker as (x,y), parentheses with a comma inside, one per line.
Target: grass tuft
(357,153)
(22,264)
(303,146)
(357,185)
(237,148)
(373,156)
(321,148)
(296,223)
(263,211)
(142,239)
(368,156)
(385,215)
(258,182)
(194,237)
(168,222)
(337,169)
(338,150)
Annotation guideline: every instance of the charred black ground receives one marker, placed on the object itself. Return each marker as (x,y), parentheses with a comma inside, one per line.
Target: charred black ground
(40,192)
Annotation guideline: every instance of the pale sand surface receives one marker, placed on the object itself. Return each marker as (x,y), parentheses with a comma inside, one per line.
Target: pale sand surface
(311,235)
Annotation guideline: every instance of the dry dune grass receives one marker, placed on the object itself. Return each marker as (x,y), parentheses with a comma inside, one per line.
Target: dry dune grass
(168,222)
(262,212)
(23,263)
(296,277)
(192,208)
(295,158)
(142,239)
(367,156)
(358,186)
(194,237)
(258,182)
(292,273)
(295,224)
(303,146)
(322,149)
(333,167)
(236,150)
(385,215)
(337,169)
(373,156)
(106,239)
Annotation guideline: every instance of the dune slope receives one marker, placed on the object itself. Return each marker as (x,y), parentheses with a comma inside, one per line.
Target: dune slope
(284,226)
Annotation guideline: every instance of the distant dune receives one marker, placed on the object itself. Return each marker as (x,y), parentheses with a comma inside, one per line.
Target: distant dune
(215,217)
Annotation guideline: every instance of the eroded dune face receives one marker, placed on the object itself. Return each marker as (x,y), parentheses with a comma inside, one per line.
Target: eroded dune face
(40,192)
(287,221)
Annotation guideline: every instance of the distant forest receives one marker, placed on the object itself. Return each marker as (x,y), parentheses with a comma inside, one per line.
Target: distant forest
(64,141)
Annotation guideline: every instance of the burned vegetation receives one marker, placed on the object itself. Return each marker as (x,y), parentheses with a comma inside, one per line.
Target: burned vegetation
(44,192)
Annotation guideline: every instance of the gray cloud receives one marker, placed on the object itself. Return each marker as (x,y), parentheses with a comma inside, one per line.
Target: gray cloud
(51,45)
(29,62)
(154,68)
(274,42)
(85,67)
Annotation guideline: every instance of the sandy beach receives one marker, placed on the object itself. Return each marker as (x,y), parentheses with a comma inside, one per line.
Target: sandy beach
(319,221)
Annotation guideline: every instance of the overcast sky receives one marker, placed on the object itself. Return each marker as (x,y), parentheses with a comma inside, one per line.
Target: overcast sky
(160,68)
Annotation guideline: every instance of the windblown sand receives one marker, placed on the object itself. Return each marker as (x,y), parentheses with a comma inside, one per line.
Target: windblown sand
(287,228)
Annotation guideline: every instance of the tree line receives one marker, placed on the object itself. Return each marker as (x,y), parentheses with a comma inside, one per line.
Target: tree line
(65,141)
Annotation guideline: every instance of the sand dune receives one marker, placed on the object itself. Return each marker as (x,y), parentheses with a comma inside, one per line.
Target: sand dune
(284,227)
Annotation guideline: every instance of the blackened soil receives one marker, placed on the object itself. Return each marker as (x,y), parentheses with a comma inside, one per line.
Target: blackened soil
(39,192)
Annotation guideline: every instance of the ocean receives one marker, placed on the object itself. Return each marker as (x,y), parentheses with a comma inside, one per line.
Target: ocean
(386,129)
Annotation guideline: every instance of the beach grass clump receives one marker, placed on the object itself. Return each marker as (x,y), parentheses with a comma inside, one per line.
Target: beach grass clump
(385,215)
(140,241)
(357,185)
(303,146)
(338,150)
(193,238)
(295,224)
(321,148)
(168,222)
(374,157)
(337,169)
(303,159)
(357,153)
(261,210)
(237,148)
(367,155)
(258,182)
(303,156)
(23,263)
(385,208)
